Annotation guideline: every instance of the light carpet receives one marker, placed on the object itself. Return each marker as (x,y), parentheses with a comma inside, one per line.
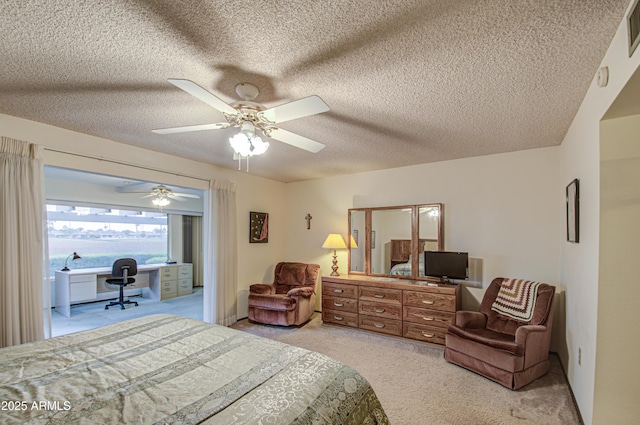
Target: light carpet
(417,386)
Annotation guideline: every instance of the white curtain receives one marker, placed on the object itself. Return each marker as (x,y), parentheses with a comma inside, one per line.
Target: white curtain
(220,254)
(196,249)
(22,243)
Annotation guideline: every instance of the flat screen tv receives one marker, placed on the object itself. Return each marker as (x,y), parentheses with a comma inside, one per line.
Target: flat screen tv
(446,265)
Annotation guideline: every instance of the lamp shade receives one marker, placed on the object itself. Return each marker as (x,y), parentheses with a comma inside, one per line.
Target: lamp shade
(334,241)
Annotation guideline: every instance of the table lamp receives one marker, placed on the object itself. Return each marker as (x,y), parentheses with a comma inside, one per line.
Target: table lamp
(334,241)
(75,257)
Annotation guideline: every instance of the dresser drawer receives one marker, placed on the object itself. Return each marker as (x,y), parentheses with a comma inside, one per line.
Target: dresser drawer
(430,300)
(83,278)
(185,271)
(185,287)
(83,291)
(169,289)
(425,333)
(423,316)
(379,324)
(168,273)
(338,289)
(340,304)
(340,318)
(388,310)
(381,295)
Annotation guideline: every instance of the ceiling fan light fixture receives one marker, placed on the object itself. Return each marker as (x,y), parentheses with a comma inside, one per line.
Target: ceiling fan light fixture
(259,145)
(161,202)
(246,143)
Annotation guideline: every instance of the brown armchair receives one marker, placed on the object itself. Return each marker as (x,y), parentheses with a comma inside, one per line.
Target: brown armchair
(289,300)
(496,346)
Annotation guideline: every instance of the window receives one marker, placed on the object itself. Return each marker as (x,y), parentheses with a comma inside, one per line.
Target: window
(102,235)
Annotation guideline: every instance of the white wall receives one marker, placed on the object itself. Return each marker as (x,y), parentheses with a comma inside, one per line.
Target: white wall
(617,390)
(580,158)
(74,150)
(97,194)
(504,209)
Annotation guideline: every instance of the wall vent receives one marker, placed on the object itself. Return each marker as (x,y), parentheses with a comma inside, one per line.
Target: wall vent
(633,22)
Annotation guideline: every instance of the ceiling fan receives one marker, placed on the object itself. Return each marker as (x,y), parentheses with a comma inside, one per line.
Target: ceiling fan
(250,116)
(162,191)
(161,194)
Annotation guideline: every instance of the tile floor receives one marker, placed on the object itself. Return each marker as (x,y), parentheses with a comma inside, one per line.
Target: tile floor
(93,315)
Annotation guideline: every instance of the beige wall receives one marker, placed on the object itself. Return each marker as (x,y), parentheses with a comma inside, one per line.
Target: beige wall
(74,150)
(580,158)
(617,390)
(503,209)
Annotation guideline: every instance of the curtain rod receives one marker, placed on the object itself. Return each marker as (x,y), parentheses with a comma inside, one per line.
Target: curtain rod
(127,164)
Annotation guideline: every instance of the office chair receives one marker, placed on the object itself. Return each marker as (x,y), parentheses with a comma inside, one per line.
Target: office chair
(121,271)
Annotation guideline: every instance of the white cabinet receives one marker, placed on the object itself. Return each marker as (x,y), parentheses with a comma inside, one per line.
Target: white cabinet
(74,288)
(185,279)
(83,287)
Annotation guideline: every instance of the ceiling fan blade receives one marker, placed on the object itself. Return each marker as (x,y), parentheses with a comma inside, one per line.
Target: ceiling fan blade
(296,140)
(188,128)
(177,198)
(186,195)
(149,195)
(297,109)
(195,90)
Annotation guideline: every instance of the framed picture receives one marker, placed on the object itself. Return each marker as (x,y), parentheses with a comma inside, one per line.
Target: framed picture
(573,211)
(258,227)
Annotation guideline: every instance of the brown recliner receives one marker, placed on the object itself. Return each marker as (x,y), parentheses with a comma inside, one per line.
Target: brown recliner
(289,300)
(510,352)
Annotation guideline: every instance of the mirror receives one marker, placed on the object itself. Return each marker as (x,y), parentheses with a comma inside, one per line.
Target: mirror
(356,245)
(390,240)
(429,232)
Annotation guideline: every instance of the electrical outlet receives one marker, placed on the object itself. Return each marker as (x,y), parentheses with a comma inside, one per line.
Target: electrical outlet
(579,356)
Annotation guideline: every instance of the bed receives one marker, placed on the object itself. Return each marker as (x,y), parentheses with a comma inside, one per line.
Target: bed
(165,369)
(404,269)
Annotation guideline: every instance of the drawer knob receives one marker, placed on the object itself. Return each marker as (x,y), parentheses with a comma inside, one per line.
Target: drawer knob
(378,325)
(379,310)
(378,296)
(337,318)
(338,291)
(430,302)
(428,335)
(429,318)
(338,304)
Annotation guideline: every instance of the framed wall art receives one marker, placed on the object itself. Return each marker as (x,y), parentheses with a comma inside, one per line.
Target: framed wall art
(573,211)
(258,227)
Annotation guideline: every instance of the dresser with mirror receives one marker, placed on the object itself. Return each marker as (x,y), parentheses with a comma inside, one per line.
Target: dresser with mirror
(386,290)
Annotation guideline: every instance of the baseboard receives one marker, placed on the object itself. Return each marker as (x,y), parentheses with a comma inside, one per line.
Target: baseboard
(566,379)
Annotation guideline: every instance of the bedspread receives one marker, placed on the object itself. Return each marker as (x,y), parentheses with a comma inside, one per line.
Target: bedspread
(170,369)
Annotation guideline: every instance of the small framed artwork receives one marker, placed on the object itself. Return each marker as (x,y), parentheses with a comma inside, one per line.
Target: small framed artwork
(573,211)
(258,227)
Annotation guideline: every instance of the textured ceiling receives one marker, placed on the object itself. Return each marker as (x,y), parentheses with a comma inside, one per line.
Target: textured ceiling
(407,81)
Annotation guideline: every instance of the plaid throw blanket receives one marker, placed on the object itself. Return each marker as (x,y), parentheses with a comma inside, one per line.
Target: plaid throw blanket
(516,299)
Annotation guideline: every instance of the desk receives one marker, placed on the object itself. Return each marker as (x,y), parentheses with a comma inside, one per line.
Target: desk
(157,282)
